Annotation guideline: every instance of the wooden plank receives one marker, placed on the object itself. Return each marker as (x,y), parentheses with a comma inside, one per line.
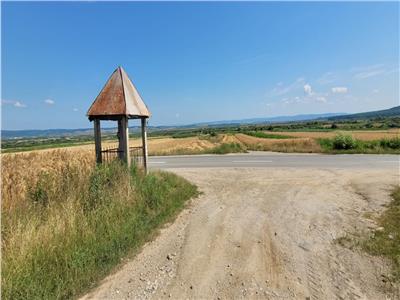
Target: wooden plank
(97,140)
(144,143)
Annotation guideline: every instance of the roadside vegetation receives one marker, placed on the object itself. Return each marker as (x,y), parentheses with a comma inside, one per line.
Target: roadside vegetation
(345,143)
(226,148)
(383,241)
(263,135)
(386,240)
(66,224)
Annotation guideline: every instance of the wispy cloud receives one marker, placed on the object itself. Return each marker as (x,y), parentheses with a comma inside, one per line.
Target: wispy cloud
(75,109)
(14,103)
(326,78)
(313,98)
(49,101)
(339,90)
(370,71)
(281,89)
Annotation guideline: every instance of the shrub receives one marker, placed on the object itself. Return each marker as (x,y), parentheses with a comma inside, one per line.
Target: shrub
(393,143)
(263,135)
(344,142)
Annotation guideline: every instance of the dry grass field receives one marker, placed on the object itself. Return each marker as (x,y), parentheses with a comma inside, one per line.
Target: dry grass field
(361,135)
(21,170)
(158,146)
(305,141)
(307,145)
(66,223)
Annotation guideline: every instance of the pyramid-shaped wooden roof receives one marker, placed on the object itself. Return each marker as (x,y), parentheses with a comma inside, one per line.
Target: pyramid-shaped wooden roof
(118,98)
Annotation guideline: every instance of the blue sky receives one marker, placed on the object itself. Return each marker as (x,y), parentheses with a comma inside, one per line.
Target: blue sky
(198,61)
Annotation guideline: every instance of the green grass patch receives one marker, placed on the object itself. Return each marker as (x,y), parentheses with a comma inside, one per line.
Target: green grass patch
(74,229)
(343,143)
(183,134)
(264,135)
(386,241)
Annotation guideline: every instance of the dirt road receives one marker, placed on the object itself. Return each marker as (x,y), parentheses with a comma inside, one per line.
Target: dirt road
(263,233)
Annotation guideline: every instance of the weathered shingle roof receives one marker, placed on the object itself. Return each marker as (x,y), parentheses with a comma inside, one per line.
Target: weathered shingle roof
(118,97)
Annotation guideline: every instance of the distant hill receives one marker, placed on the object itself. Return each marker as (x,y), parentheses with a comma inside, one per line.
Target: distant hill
(392,112)
(46,133)
(279,119)
(385,113)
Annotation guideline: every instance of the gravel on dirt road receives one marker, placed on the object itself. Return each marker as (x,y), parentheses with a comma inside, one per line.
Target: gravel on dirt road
(263,233)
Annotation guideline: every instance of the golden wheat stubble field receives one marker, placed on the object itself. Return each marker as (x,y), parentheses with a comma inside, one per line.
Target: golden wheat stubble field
(21,170)
(363,135)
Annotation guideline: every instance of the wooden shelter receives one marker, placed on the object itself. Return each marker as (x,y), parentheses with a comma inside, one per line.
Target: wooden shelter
(119,101)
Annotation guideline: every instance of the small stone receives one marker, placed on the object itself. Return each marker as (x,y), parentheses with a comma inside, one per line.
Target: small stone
(169,257)
(390,236)
(231,274)
(191,287)
(379,229)
(276,234)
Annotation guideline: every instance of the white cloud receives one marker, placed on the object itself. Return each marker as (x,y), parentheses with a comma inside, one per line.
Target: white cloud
(340,90)
(75,109)
(14,103)
(49,101)
(308,89)
(177,115)
(375,91)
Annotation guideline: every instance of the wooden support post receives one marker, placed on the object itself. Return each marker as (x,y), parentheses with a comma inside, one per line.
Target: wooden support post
(125,139)
(97,140)
(144,143)
(120,141)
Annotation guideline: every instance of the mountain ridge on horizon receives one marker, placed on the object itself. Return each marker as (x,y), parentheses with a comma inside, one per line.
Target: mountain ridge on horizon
(26,133)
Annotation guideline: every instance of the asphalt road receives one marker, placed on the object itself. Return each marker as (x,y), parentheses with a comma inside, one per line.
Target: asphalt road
(274,160)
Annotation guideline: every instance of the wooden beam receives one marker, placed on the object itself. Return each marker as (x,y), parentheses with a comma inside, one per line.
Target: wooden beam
(125,140)
(144,143)
(97,140)
(120,141)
